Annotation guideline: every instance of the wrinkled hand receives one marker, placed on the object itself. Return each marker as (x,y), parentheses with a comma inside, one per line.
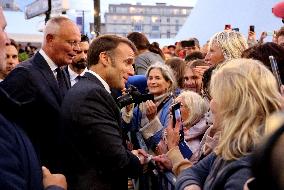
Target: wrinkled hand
(141,154)
(163,162)
(173,133)
(151,110)
(161,148)
(53,179)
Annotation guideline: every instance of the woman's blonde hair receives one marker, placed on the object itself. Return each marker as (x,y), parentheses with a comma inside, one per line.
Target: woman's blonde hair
(246,93)
(195,104)
(232,43)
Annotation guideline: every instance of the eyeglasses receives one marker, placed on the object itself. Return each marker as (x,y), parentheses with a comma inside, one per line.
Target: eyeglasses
(73,43)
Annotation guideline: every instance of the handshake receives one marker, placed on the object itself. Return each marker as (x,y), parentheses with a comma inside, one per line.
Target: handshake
(143,157)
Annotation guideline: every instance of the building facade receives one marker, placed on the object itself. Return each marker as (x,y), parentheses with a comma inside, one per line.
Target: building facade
(156,21)
(9,5)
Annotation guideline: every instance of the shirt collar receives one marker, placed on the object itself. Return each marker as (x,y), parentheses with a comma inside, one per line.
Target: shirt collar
(50,63)
(106,86)
(73,74)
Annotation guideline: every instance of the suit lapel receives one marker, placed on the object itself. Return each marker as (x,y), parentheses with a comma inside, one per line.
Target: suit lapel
(46,72)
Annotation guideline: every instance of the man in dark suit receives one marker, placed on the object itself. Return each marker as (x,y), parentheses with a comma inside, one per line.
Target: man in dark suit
(97,157)
(78,67)
(40,84)
(19,165)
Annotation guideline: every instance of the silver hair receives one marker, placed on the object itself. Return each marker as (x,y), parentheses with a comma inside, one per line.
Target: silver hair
(232,43)
(167,73)
(196,105)
(53,25)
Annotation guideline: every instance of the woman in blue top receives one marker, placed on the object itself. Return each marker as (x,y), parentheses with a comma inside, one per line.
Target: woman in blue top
(151,118)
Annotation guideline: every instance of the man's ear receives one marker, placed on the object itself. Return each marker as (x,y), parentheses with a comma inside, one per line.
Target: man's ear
(49,38)
(104,59)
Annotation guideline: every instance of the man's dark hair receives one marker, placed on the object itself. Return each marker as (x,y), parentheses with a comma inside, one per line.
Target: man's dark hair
(12,43)
(84,38)
(106,43)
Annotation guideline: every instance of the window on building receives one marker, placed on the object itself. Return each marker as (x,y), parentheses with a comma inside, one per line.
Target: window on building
(7,6)
(155,19)
(168,20)
(155,35)
(168,34)
(137,28)
(113,9)
(121,10)
(155,28)
(177,21)
(183,11)
(132,10)
(176,11)
(177,27)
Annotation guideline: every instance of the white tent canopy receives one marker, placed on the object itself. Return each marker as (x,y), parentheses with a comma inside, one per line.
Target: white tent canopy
(210,16)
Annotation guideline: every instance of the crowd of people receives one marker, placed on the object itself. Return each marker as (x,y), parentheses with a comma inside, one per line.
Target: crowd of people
(115,112)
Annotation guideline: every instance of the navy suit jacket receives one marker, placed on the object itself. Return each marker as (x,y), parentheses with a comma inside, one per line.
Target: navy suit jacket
(96,157)
(19,165)
(33,84)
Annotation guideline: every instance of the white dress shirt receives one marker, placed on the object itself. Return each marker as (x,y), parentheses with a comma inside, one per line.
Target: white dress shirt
(106,86)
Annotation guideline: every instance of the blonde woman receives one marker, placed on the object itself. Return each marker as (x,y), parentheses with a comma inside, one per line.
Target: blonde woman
(244,93)
(224,46)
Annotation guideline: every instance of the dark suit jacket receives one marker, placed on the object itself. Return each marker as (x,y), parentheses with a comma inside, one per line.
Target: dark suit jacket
(97,157)
(19,165)
(33,84)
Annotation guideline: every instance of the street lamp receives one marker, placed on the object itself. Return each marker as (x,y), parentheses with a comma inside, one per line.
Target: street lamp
(97,17)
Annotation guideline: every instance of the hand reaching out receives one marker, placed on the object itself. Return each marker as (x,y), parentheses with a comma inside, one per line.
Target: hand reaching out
(53,179)
(151,110)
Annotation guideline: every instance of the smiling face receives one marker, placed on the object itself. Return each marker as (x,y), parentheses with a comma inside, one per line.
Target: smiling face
(156,82)
(121,67)
(63,45)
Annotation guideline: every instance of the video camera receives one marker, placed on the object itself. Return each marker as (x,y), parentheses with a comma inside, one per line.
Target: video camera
(133,96)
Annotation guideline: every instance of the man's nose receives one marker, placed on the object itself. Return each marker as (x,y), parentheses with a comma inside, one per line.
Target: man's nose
(131,71)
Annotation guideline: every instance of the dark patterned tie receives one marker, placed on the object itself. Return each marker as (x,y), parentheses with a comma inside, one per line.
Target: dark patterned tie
(61,82)
(78,78)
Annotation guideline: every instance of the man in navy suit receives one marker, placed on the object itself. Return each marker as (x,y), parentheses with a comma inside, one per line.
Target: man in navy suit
(19,165)
(40,84)
(96,153)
